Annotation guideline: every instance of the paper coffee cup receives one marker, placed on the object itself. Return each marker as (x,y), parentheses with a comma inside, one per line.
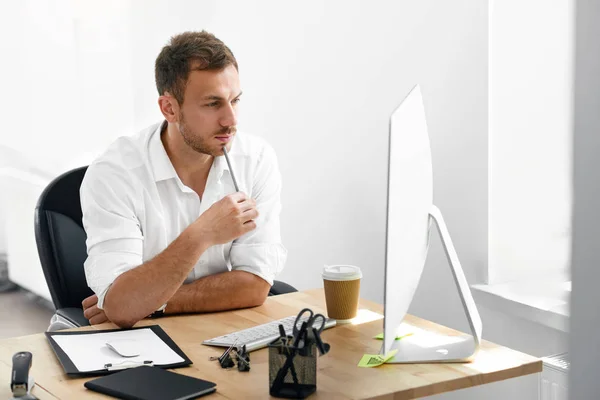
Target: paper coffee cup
(342,290)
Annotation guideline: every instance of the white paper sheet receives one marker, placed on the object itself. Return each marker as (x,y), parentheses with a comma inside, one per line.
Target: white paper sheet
(89,351)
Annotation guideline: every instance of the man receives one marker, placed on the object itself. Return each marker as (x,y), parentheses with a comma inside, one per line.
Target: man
(166,230)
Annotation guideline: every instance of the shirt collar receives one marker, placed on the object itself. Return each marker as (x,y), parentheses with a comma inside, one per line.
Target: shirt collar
(162,168)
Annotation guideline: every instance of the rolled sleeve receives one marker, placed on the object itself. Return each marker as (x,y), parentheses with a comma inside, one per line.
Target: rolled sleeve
(114,238)
(260,251)
(264,260)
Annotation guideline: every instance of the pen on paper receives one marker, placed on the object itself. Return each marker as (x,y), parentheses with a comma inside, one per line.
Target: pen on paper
(237,189)
(128,364)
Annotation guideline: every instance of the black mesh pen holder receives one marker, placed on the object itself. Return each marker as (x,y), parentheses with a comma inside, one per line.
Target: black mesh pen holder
(292,370)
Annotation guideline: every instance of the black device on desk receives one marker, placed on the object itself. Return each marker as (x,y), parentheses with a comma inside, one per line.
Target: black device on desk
(151,383)
(20,383)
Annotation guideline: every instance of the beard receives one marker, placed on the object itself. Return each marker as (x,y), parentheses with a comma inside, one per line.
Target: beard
(199,144)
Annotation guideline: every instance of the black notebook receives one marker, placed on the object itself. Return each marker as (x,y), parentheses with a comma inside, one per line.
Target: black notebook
(151,383)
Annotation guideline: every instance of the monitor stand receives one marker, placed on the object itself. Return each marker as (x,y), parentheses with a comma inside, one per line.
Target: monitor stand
(451,348)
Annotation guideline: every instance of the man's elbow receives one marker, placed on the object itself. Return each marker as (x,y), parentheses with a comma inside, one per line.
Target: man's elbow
(119,317)
(259,299)
(125,323)
(117,313)
(261,292)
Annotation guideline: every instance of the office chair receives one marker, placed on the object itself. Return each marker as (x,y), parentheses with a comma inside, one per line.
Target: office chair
(60,239)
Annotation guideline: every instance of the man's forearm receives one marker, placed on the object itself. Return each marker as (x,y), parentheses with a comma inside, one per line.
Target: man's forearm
(138,292)
(218,292)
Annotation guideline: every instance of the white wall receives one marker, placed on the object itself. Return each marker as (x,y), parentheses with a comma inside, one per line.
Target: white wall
(585,319)
(3,245)
(530,72)
(67,68)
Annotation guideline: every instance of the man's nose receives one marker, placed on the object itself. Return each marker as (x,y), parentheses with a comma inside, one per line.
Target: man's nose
(229,117)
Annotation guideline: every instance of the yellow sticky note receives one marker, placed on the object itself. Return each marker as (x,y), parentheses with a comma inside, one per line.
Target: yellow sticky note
(375,360)
(380,336)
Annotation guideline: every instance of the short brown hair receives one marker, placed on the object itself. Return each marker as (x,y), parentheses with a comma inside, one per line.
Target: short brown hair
(186,52)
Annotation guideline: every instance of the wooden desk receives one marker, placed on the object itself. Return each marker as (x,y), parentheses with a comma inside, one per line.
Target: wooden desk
(338,376)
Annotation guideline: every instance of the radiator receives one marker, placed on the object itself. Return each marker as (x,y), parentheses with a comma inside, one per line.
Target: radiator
(554,377)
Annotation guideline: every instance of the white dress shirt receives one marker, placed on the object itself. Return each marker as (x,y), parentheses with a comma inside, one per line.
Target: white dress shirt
(134,205)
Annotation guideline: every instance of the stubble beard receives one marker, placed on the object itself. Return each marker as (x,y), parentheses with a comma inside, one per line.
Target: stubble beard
(197,143)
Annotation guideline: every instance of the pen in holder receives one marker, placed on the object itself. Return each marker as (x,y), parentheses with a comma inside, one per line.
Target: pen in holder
(292,369)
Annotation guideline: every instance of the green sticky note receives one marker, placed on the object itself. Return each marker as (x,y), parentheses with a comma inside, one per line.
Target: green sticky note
(380,336)
(375,360)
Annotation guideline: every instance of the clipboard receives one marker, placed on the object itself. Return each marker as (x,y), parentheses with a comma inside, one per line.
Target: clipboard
(71,369)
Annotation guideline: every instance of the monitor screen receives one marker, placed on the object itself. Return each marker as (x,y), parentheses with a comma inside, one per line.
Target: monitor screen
(409,202)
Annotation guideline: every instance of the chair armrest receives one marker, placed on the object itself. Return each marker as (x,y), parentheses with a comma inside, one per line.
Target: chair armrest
(74,315)
(281,288)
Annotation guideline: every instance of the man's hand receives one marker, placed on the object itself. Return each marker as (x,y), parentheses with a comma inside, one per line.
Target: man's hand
(229,218)
(92,312)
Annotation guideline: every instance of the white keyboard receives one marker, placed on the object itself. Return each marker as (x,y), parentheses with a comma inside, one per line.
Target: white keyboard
(259,336)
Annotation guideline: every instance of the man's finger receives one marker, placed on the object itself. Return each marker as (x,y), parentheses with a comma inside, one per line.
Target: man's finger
(249,226)
(99,319)
(91,312)
(251,214)
(247,205)
(89,301)
(238,197)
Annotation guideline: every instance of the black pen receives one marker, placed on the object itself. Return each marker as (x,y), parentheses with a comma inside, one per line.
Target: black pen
(282,332)
(237,189)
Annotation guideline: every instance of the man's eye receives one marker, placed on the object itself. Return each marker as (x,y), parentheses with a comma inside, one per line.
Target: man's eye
(235,101)
(214,104)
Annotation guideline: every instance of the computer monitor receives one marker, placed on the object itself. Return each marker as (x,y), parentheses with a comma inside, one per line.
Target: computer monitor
(410,213)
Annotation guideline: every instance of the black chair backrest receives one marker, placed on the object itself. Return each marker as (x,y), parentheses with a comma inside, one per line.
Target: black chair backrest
(60,239)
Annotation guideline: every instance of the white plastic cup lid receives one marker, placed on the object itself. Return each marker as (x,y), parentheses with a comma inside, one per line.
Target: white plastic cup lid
(341,272)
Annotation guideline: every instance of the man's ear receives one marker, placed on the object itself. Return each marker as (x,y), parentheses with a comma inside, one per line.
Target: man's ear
(169,107)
